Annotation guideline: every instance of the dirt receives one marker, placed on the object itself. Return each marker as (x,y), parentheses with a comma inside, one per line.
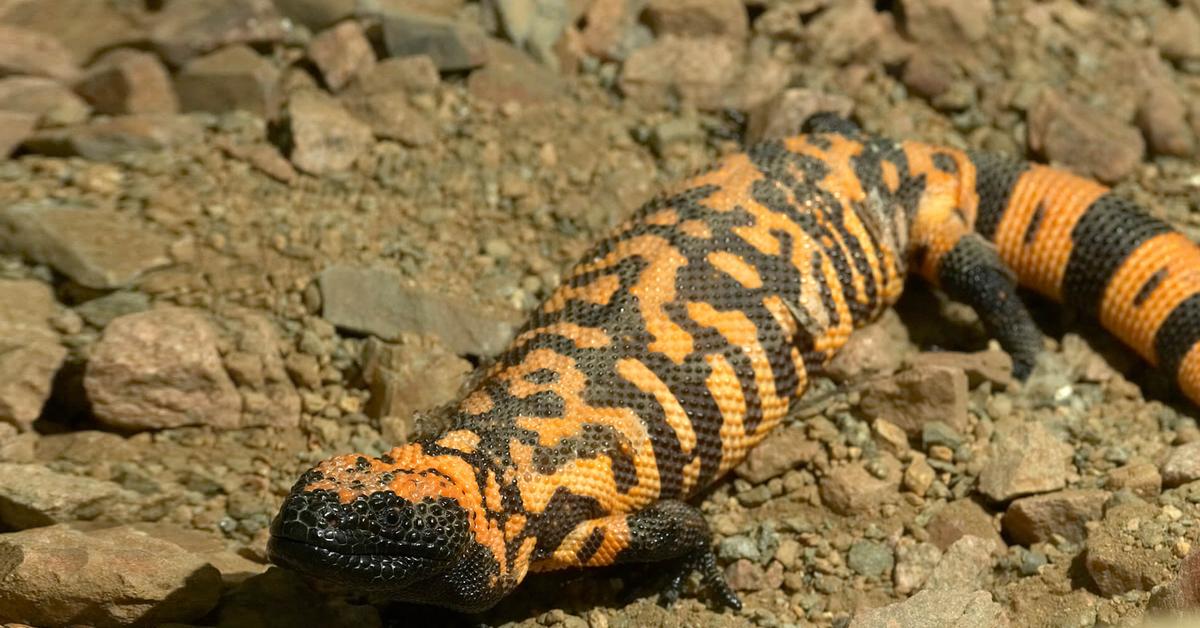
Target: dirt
(515,180)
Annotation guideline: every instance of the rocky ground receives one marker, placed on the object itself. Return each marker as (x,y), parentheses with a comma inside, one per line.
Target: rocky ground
(239,236)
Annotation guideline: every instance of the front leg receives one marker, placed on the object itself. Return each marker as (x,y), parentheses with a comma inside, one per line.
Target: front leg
(668,530)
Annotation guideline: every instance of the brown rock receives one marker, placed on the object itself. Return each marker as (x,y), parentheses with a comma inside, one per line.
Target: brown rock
(848,29)
(417,374)
(744,575)
(317,14)
(965,566)
(1036,519)
(341,53)
(15,128)
(108,577)
(53,104)
(917,395)
(32,496)
(1117,557)
(1162,116)
(324,137)
(608,23)
(980,366)
(268,396)
(377,301)
(697,70)
(27,371)
(928,74)
(878,348)
(1084,138)
(263,157)
(960,518)
(391,118)
(698,18)
(919,476)
(107,138)
(184,30)
(1181,595)
(512,76)
(1176,34)
(947,21)
(452,46)
(784,116)
(1182,465)
(783,449)
(228,79)
(96,248)
(83,27)
(851,489)
(24,51)
(128,81)
(1025,460)
(400,75)
(936,608)
(159,369)
(1142,478)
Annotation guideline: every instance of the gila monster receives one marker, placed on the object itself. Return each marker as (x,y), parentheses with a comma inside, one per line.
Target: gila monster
(680,340)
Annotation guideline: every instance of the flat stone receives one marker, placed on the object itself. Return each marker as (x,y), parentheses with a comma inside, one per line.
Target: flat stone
(851,489)
(53,104)
(324,137)
(1182,465)
(108,577)
(15,128)
(965,565)
(1118,556)
(94,247)
(698,18)
(84,27)
(1038,518)
(784,449)
(936,609)
(127,81)
(512,76)
(919,394)
(1142,478)
(980,366)
(32,496)
(183,30)
(417,374)
(784,116)
(947,21)
(341,53)
(25,51)
(1084,138)
(104,139)
(453,46)
(159,369)
(959,518)
(232,78)
(390,117)
(377,301)
(1025,460)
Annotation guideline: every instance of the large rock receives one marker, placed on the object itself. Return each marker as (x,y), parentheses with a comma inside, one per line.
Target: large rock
(324,137)
(936,609)
(452,45)
(24,51)
(103,139)
(94,247)
(30,353)
(83,27)
(961,518)
(418,374)
(1025,460)
(53,104)
(232,78)
(376,301)
(115,576)
(184,30)
(128,81)
(917,395)
(1038,518)
(160,369)
(1086,139)
(32,496)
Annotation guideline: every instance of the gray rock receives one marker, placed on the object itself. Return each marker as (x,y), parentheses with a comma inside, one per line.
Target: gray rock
(161,368)
(32,496)
(452,46)
(1182,465)
(738,547)
(914,562)
(107,577)
(53,104)
(376,301)
(230,79)
(964,566)
(99,312)
(1025,460)
(936,609)
(938,433)
(870,559)
(96,248)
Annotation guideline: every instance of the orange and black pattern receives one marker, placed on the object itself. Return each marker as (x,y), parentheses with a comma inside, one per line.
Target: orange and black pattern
(680,340)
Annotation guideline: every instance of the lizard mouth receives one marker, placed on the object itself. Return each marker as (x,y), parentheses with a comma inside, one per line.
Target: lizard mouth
(369,572)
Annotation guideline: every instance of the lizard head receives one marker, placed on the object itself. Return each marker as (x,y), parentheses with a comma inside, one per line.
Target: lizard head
(393,523)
